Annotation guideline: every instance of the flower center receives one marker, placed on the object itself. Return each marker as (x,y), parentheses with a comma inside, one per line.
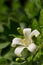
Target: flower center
(26,42)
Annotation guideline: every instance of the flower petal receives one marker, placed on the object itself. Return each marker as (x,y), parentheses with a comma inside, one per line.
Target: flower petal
(16,41)
(32,47)
(18,50)
(27,32)
(35,32)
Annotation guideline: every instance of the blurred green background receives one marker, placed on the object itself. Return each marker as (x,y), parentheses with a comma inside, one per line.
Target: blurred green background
(14,16)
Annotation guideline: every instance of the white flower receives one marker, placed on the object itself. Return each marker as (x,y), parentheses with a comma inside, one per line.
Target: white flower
(27,42)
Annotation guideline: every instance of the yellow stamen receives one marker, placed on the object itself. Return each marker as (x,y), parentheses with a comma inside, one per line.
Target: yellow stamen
(26,42)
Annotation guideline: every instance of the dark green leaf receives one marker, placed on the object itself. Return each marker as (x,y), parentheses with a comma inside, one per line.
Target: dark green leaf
(3,45)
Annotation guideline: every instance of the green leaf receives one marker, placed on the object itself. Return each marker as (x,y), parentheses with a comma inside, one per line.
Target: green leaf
(42,64)
(3,45)
(1,28)
(29,58)
(9,55)
(18,63)
(35,24)
(37,3)
(31,9)
(18,15)
(25,53)
(3,61)
(38,55)
(3,8)
(15,63)
(24,63)
(15,4)
(41,19)
(19,36)
(42,32)
(39,40)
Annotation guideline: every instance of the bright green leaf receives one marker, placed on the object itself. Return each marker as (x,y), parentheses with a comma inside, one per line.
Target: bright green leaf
(35,24)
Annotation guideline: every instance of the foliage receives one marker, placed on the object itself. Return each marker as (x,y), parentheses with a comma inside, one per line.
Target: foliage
(14,16)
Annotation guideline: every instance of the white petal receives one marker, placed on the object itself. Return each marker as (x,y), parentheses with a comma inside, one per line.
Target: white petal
(18,50)
(32,47)
(27,32)
(16,41)
(35,32)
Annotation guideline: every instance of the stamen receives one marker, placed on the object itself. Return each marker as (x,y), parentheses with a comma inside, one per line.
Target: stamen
(25,42)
